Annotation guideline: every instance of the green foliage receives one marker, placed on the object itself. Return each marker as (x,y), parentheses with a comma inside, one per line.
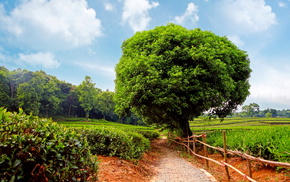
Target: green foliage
(115,142)
(251,109)
(34,149)
(170,74)
(44,95)
(39,95)
(271,143)
(105,104)
(4,87)
(148,132)
(114,139)
(87,95)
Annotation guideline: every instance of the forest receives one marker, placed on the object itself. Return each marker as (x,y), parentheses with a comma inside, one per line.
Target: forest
(44,95)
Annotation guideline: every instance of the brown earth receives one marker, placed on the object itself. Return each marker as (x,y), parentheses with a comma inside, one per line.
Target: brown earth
(113,169)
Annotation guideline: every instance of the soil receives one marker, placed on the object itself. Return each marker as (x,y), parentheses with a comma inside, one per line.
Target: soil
(113,169)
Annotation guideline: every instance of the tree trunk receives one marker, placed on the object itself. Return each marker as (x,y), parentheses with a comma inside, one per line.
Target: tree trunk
(87,115)
(186,132)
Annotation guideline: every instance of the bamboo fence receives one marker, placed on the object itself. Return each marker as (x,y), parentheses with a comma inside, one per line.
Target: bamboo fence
(186,143)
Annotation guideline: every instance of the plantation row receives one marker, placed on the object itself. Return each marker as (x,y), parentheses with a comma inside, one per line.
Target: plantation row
(204,124)
(35,149)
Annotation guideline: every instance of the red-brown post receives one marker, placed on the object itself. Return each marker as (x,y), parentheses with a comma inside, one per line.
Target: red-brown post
(205,150)
(225,154)
(188,146)
(249,168)
(193,145)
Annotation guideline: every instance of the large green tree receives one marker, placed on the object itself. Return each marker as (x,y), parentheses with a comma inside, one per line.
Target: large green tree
(39,95)
(251,110)
(17,77)
(87,94)
(170,75)
(29,94)
(105,104)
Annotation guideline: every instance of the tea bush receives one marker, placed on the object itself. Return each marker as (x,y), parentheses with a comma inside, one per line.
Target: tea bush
(115,142)
(34,149)
(149,134)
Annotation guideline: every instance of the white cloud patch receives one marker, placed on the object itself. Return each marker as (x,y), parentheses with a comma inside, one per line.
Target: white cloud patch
(45,59)
(50,24)
(271,85)
(236,40)
(104,70)
(281,4)
(108,6)
(135,13)
(190,14)
(247,16)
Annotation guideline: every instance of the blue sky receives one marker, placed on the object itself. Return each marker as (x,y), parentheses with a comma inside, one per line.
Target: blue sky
(74,38)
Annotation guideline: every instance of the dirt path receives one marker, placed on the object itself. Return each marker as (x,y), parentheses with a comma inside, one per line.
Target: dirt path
(161,164)
(173,168)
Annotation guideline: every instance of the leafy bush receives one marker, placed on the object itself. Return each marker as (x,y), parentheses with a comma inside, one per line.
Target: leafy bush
(34,149)
(115,142)
(149,134)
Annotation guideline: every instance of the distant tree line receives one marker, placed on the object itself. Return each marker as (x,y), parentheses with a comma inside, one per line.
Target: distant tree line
(43,95)
(253,110)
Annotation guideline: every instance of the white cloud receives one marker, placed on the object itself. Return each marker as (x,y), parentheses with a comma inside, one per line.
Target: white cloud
(281,4)
(45,59)
(236,40)
(247,16)
(135,13)
(104,70)
(190,14)
(271,85)
(108,6)
(50,24)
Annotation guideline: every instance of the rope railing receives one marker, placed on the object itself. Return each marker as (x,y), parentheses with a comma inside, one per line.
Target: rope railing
(217,162)
(182,141)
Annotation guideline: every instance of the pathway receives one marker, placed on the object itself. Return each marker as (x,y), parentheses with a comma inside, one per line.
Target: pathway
(173,168)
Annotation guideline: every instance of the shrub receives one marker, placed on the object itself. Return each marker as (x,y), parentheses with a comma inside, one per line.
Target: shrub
(115,142)
(34,149)
(149,134)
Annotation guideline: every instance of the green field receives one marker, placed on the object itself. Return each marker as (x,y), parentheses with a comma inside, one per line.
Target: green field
(203,125)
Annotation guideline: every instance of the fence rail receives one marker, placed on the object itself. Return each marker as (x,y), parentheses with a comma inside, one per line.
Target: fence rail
(186,143)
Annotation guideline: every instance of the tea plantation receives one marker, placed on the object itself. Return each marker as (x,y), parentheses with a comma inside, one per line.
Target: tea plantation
(36,149)
(261,137)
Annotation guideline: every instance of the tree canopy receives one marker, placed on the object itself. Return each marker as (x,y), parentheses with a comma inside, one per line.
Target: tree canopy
(169,75)
(87,94)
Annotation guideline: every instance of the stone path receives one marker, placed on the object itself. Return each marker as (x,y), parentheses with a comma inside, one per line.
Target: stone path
(172,168)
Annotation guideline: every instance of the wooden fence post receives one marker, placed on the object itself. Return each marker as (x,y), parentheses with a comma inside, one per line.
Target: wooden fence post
(193,145)
(249,168)
(205,150)
(225,154)
(188,146)
(194,139)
